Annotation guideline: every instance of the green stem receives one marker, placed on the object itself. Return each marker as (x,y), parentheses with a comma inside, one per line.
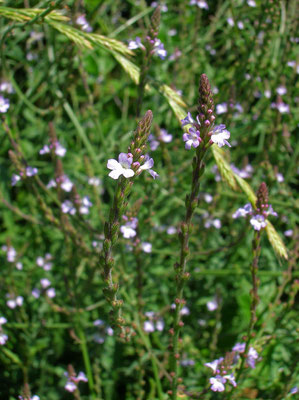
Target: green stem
(86,360)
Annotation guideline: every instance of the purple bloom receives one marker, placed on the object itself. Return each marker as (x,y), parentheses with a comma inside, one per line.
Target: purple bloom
(31,171)
(221,108)
(239,347)
(212,305)
(81,20)
(188,120)
(159,49)
(191,139)
(148,164)
(3,338)
(165,136)
(199,3)
(219,135)
(243,211)
(252,356)
(129,229)
(217,383)
(146,247)
(214,364)
(67,207)
(258,222)
(15,179)
(121,167)
(135,44)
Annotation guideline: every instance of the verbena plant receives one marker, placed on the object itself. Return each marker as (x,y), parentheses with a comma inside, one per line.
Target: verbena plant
(148,165)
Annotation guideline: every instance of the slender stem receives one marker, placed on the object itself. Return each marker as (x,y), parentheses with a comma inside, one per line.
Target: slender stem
(256,247)
(86,360)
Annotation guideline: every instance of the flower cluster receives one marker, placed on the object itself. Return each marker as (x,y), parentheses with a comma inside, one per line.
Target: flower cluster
(59,150)
(158,47)
(73,380)
(252,355)
(28,173)
(153,322)
(124,164)
(257,217)
(102,331)
(218,381)
(219,134)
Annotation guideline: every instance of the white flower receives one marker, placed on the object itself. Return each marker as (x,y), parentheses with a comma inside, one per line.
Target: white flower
(149,326)
(121,167)
(258,222)
(31,171)
(81,20)
(231,379)
(217,383)
(214,364)
(251,3)
(129,229)
(159,49)
(135,44)
(3,321)
(200,3)
(212,305)
(15,179)
(51,293)
(4,104)
(70,386)
(51,184)
(3,338)
(66,184)
(243,211)
(146,247)
(67,207)
(281,90)
(93,181)
(221,108)
(45,283)
(219,136)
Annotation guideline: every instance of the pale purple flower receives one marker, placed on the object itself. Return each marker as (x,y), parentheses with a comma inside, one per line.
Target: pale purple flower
(200,3)
(66,183)
(51,293)
(85,205)
(251,3)
(149,326)
(160,325)
(258,222)
(231,379)
(243,211)
(163,6)
(220,135)
(159,49)
(240,25)
(98,322)
(252,357)
(45,283)
(279,177)
(185,311)
(35,293)
(171,230)
(121,167)
(146,247)
(239,347)
(148,164)
(4,104)
(45,262)
(11,254)
(294,390)
(165,136)
(129,229)
(51,184)
(267,93)
(187,120)
(216,223)
(212,305)
(19,266)
(243,173)
(6,87)
(44,150)
(135,44)
(221,108)
(3,338)
(109,331)
(59,150)
(81,20)
(214,364)
(230,22)
(15,179)
(217,383)
(3,321)
(288,233)
(154,144)
(208,198)
(67,207)
(15,302)
(70,386)
(31,171)
(281,90)
(282,107)
(192,139)
(81,377)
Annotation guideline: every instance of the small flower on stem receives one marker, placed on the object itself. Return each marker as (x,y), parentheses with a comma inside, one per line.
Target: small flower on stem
(121,167)
(220,135)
